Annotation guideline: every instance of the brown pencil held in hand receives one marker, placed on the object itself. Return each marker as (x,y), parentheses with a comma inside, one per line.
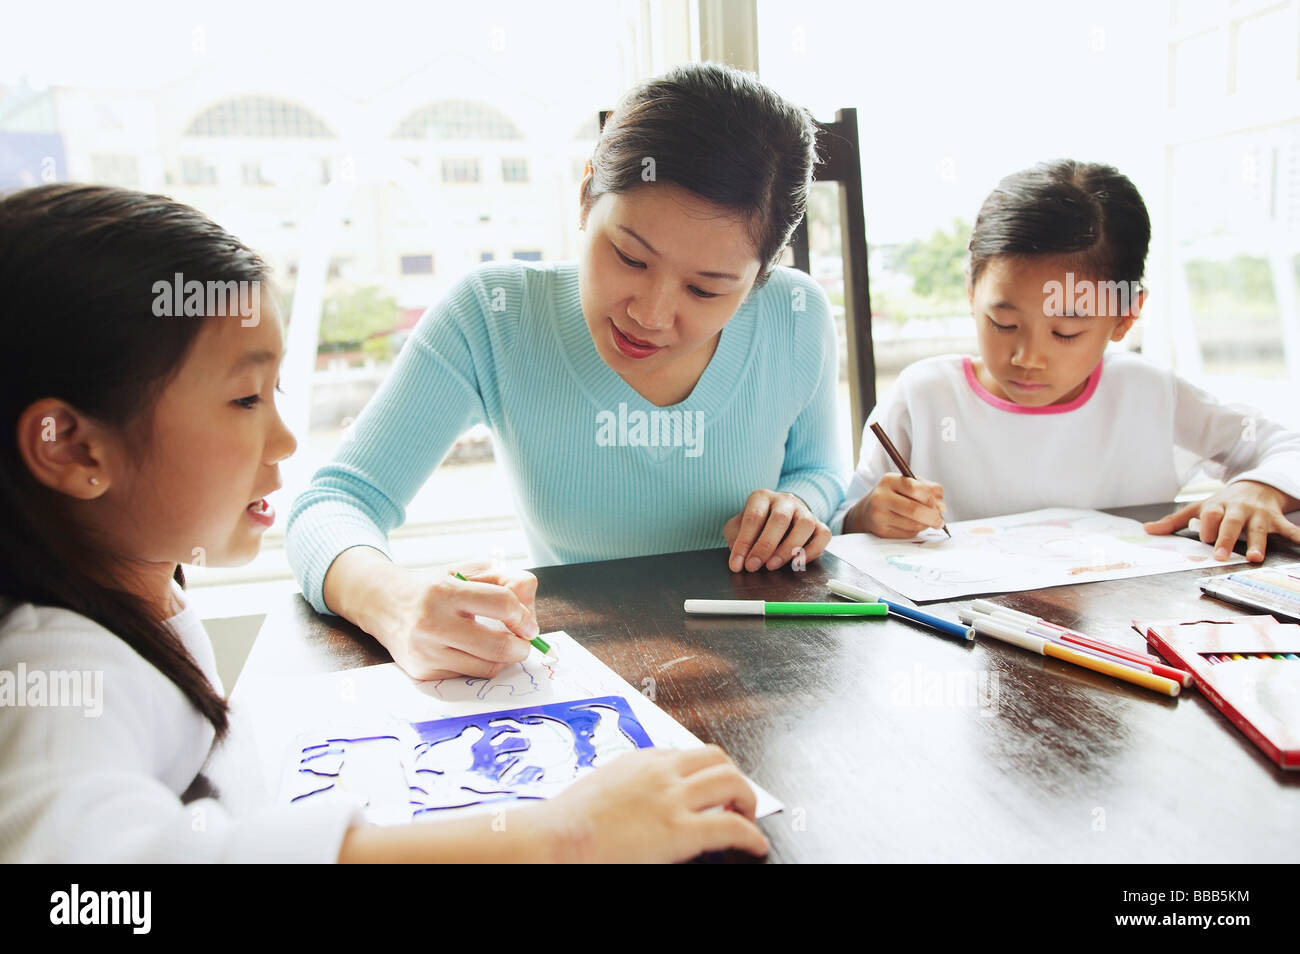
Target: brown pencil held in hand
(897,458)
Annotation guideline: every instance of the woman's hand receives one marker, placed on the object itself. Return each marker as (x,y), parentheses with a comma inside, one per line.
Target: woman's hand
(897,507)
(1259,508)
(769,530)
(428,621)
(654,805)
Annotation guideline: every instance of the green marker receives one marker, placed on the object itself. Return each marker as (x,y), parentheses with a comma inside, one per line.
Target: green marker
(763,608)
(542,646)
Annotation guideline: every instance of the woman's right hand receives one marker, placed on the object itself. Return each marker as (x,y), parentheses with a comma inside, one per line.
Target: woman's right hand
(897,507)
(428,620)
(656,805)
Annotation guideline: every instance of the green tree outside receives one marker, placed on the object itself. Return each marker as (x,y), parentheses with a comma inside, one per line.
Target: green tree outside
(352,318)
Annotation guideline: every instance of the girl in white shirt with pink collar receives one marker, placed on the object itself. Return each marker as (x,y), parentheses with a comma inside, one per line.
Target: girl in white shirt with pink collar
(1044,416)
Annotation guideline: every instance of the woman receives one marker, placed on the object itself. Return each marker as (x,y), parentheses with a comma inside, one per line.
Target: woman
(671,388)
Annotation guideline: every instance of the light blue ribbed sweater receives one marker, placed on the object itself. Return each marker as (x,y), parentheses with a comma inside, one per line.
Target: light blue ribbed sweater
(509,347)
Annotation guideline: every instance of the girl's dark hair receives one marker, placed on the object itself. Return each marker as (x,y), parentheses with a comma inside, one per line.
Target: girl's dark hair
(77,269)
(721,134)
(1065,207)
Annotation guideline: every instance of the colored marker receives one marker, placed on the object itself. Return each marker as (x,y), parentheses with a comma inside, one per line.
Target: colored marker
(542,645)
(762,608)
(1069,635)
(1041,628)
(1056,637)
(1008,632)
(1096,647)
(851,592)
(1082,641)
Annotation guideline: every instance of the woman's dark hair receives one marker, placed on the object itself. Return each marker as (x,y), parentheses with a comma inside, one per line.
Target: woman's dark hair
(1069,208)
(77,269)
(721,134)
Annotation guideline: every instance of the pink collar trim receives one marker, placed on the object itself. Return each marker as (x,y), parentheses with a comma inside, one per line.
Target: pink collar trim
(1011,407)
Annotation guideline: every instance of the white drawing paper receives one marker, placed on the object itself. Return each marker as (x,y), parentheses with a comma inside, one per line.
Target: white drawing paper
(356,732)
(1024,551)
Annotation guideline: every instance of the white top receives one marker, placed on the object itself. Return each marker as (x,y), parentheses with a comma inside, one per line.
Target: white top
(1135,435)
(101,780)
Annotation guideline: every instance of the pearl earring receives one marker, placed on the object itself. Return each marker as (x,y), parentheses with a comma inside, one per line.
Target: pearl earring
(95,481)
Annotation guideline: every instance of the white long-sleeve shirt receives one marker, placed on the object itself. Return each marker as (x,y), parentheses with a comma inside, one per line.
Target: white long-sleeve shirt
(101,780)
(1135,435)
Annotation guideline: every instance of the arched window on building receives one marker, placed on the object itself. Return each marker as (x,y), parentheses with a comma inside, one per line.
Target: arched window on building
(259,117)
(457,119)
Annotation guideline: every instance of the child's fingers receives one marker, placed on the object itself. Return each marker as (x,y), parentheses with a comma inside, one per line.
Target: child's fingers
(902,527)
(1173,521)
(1260,525)
(721,830)
(1234,519)
(913,528)
(1257,536)
(924,491)
(720,785)
(1284,527)
(910,509)
(1211,515)
(698,758)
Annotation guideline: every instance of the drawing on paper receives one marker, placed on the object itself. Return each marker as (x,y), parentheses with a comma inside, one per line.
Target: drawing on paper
(520,679)
(504,756)
(516,681)
(1020,552)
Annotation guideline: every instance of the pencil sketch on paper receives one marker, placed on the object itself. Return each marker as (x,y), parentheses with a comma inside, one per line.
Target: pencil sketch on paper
(461,761)
(516,681)
(1024,551)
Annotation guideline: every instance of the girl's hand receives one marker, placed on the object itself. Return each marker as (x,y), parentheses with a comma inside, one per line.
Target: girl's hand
(770,528)
(653,805)
(1257,507)
(897,507)
(428,622)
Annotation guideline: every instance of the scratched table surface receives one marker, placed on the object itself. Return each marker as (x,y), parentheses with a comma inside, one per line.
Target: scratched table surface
(889,742)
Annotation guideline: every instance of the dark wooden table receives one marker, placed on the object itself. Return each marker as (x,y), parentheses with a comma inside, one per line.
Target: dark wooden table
(888,742)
